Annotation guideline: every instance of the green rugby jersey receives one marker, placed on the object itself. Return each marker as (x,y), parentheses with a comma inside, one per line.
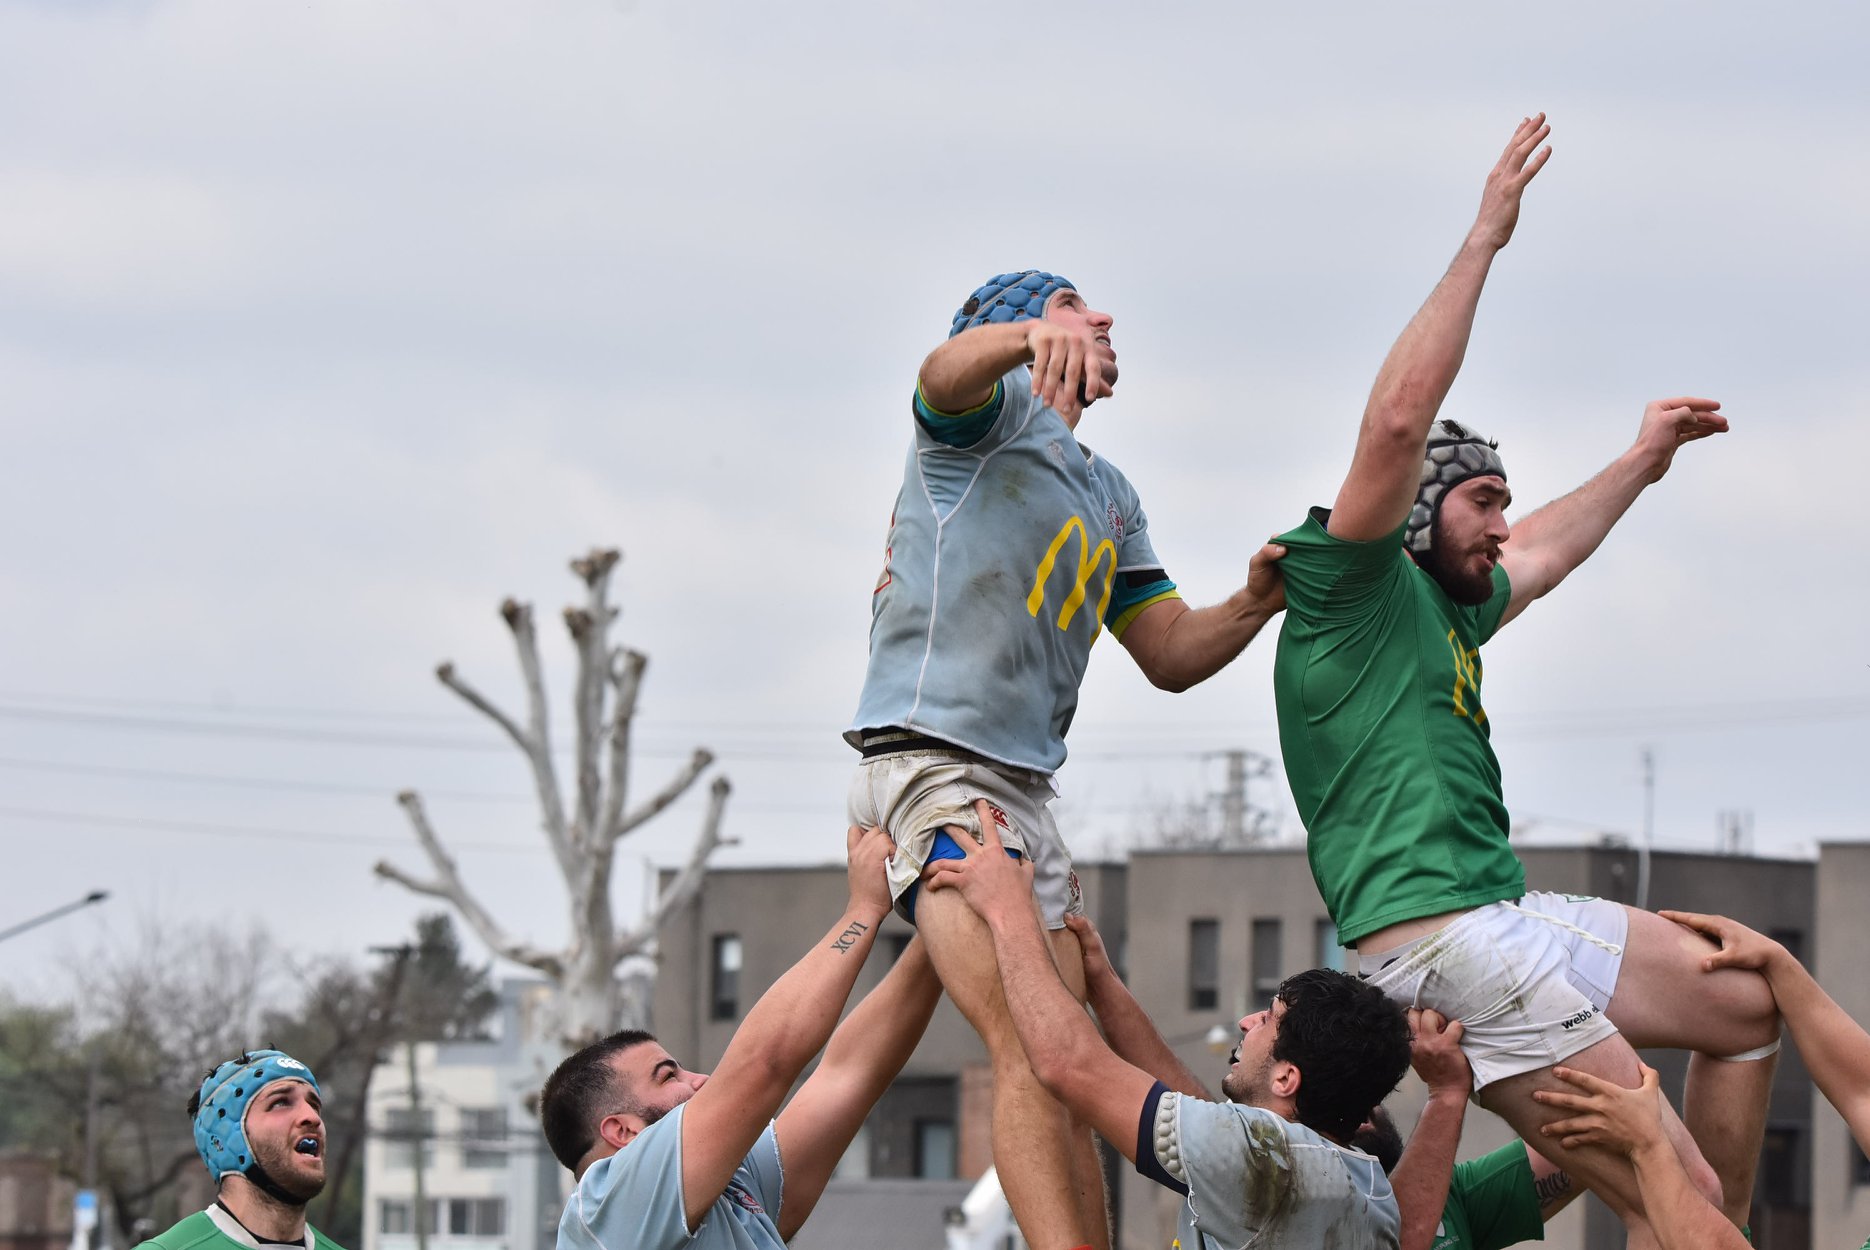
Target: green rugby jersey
(1377,683)
(1491,1203)
(215,1229)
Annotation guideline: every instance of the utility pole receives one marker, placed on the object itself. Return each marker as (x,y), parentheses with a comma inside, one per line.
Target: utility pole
(1234,800)
(401,956)
(1649,829)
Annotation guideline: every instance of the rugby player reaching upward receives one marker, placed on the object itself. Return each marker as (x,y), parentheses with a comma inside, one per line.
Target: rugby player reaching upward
(1391,594)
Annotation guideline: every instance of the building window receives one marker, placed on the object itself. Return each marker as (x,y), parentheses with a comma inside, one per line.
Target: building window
(483,1137)
(935,1150)
(1267,961)
(393,1217)
(899,942)
(1792,939)
(1860,1166)
(1779,1157)
(476,1217)
(403,1133)
(1329,954)
(724,994)
(1204,965)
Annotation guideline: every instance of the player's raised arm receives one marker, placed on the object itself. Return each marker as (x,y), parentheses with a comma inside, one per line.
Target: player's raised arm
(1387,465)
(960,375)
(1546,546)
(1127,1027)
(780,1035)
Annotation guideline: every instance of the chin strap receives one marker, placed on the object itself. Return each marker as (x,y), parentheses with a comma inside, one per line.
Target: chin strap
(272,1188)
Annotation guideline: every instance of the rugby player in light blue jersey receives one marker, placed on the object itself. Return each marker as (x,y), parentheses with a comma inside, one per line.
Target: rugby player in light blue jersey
(1271,1167)
(1012,547)
(667,1158)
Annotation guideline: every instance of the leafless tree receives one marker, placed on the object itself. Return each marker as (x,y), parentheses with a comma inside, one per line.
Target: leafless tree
(594,996)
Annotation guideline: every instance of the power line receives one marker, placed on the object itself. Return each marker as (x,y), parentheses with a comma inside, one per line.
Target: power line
(303,836)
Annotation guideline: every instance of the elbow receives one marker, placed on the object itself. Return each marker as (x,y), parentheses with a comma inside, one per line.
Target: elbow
(1174,683)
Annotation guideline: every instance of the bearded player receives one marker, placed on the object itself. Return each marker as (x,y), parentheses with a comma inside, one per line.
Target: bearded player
(260,1129)
(1391,594)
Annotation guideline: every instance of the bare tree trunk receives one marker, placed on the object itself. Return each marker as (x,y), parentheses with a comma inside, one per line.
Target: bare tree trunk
(582,833)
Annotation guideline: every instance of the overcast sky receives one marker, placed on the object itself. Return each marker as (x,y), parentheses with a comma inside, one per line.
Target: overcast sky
(324,326)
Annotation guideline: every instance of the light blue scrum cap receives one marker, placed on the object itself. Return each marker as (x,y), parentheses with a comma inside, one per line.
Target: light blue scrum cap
(220,1118)
(1008,297)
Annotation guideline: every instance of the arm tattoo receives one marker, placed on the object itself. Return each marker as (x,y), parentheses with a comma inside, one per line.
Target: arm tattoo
(850,935)
(1551,1188)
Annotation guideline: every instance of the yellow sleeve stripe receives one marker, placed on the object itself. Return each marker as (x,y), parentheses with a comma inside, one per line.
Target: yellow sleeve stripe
(1136,609)
(922,402)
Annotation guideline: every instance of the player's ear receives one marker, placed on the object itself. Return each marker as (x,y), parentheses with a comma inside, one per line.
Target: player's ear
(1286,1078)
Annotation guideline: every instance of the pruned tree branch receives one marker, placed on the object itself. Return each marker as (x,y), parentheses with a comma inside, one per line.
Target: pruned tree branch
(626,678)
(446,675)
(448,885)
(673,790)
(688,881)
(590,628)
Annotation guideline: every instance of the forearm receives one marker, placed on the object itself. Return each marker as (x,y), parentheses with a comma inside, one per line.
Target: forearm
(1050,1022)
(1135,1038)
(1421,1177)
(792,1020)
(1680,1216)
(1546,546)
(1187,647)
(877,1038)
(960,373)
(1203,641)
(1427,356)
(1835,1048)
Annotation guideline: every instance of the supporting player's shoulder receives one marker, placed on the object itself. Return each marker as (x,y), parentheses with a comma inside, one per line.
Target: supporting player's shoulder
(192,1233)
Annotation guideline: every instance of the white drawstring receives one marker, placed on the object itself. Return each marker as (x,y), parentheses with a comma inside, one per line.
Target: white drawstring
(1609,948)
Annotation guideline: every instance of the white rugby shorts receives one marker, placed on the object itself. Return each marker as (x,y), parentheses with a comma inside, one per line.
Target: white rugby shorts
(1529,981)
(913,794)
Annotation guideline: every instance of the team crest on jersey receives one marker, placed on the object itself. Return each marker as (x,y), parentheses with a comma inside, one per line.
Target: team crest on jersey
(744,1199)
(1116,520)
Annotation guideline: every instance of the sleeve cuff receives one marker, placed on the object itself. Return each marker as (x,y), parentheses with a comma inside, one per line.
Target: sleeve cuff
(1147,1162)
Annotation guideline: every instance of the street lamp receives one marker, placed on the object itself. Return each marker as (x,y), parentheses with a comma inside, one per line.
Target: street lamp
(95,896)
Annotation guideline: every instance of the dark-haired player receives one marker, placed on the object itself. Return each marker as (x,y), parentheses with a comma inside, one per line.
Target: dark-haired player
(665,1157)
(260,1130)
(1391,594)
(1271,1167)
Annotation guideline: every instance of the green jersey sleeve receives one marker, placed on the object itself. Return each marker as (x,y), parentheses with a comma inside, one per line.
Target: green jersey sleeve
(1496,1196)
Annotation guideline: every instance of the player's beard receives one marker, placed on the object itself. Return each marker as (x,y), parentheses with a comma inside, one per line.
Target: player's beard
(278,1162)
(1467,589)
(1249,1088)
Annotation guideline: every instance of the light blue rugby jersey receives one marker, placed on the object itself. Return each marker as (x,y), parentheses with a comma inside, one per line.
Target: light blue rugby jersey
(1010,549)
(1253,1178)
(633,1199)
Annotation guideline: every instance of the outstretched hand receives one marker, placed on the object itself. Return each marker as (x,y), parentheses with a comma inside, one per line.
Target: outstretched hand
(995,884)
(1435,1053)
(1625,1120)
(1499,202)
(1669,423)
(1741,947)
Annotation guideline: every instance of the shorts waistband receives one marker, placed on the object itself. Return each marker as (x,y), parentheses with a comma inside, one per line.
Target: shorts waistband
(874,742)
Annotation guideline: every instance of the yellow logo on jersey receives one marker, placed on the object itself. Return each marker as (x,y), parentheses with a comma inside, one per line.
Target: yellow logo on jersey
(1466,677)
(1089,559)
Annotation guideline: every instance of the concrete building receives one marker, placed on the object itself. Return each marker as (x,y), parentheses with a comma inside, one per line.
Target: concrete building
(1840,1185)
(1204,938)
(488,1181)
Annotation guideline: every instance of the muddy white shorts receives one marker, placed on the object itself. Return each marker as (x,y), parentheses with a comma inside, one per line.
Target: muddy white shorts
(913,794)
(1528,980)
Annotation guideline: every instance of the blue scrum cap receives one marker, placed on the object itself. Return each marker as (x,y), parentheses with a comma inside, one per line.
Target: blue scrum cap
(1455,454)
(220,1120)
(1008,297)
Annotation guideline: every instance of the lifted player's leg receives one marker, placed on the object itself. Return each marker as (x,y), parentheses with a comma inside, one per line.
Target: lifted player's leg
(1727,1018)
(1032,1134)
(1607,1174)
